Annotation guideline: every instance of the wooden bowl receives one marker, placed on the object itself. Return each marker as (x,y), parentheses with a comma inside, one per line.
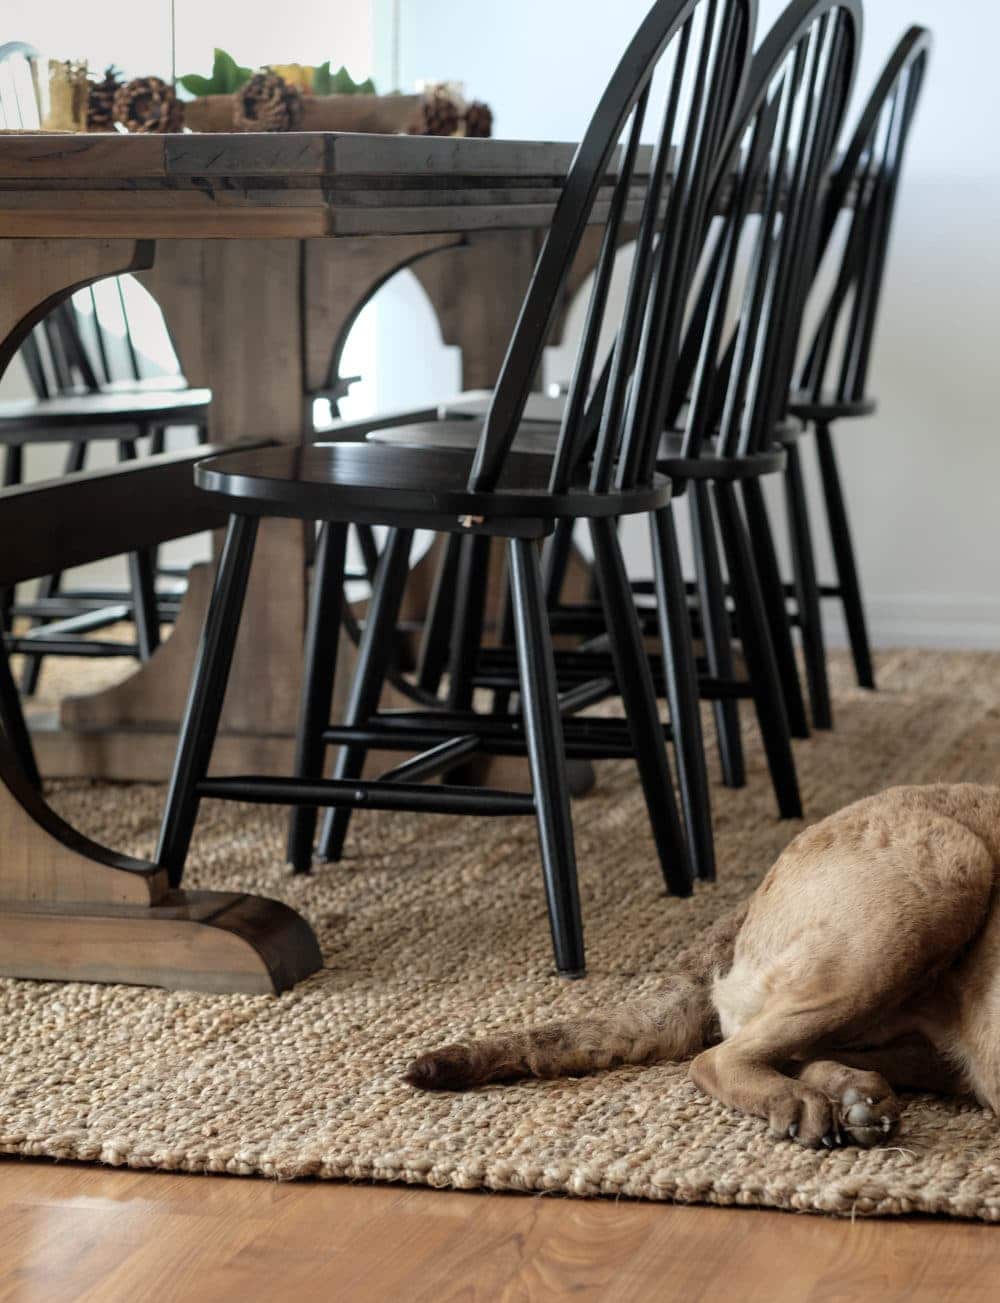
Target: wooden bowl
(378,114)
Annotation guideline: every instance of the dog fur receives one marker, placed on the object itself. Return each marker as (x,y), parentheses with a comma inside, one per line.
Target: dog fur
(867,961)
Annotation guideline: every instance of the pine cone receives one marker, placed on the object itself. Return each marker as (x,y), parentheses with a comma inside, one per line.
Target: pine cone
(148,104)
(438,115)
(478,119)
(101,101)
(267,103)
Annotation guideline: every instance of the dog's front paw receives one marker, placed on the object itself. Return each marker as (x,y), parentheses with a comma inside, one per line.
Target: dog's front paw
(869,1119)
(805,1116)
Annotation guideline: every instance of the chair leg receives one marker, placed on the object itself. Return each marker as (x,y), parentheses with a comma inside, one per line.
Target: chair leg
(50,585)
(772,591)
(635,682)
(751,619)
(374,653)
(807,591)
(318,679)
(467,624)
(31,667)
(142,581)
(555,561)
(681,675)
(433,657)
(208,689)
(505,638)
(546,756)
(13,473)
(843,553)
(12,723)
(369,554)
(369,549)
(715,632)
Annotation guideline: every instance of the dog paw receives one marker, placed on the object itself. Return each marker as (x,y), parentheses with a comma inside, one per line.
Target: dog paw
(866,1110)
(805,1116)
(868,1119)
(450,1068)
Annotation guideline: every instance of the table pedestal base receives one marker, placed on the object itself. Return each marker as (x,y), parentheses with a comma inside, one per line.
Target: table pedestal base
(189,941)
(73,910)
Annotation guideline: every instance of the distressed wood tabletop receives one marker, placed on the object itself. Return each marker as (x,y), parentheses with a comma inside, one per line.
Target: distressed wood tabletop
(287,185)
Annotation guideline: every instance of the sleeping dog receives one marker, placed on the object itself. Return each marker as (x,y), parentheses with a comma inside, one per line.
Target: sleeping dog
(867,961)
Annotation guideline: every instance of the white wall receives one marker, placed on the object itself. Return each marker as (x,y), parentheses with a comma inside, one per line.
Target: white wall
(923,476)
(137,38)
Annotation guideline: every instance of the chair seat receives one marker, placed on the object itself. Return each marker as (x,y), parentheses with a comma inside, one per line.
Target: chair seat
(669,462)
(538,439)
(533,438)
(828,407)
(476,402)
(415,487)
(147,385)
(57,417)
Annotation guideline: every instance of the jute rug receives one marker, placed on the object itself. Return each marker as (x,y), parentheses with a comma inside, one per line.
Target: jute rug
(434,929)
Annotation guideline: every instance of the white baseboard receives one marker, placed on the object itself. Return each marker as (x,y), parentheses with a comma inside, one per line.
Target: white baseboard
(966,623)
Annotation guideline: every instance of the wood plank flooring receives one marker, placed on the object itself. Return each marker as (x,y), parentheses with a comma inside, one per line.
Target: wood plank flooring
(72,1232)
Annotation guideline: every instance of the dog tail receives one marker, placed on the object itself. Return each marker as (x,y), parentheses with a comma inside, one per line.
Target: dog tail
(675,1026)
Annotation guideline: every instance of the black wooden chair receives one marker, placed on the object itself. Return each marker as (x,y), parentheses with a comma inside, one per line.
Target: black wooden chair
(88,386)
(833,384)
(87,517)
(701,47)
(727,400)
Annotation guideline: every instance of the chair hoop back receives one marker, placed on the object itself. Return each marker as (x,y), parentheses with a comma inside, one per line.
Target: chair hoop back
(739,352)
(704,46)
(869,174)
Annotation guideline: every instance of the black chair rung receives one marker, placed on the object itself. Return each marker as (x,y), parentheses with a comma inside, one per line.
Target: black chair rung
(64,608)
(90,647)
(724,689)
(588,617)
(81,622)
(355,794)
(432,763)
(494,734)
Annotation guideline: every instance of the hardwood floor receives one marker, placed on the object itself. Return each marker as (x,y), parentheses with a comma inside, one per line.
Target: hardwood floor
(70,1232)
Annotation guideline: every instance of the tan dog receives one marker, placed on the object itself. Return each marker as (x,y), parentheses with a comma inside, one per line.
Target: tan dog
(867,960)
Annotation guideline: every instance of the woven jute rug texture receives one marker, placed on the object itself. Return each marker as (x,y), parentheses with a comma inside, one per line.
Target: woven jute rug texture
(434,929)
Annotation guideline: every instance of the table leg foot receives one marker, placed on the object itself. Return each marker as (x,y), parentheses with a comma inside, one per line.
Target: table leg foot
(72,910)
(189,941)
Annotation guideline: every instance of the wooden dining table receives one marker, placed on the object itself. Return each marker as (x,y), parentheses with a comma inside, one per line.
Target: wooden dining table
(261,251)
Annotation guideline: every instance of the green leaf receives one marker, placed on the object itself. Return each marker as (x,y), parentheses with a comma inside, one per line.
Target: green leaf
(321,79)
(196,84)
(227,75)
(342,83)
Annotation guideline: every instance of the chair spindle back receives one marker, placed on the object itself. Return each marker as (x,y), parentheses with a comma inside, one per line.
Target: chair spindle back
(698,53)
(870,173)
(739,355)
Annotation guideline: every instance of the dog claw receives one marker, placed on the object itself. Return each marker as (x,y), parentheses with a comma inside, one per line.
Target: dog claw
(793,1131)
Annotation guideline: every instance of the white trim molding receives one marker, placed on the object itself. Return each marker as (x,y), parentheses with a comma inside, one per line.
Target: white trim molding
(965,622)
